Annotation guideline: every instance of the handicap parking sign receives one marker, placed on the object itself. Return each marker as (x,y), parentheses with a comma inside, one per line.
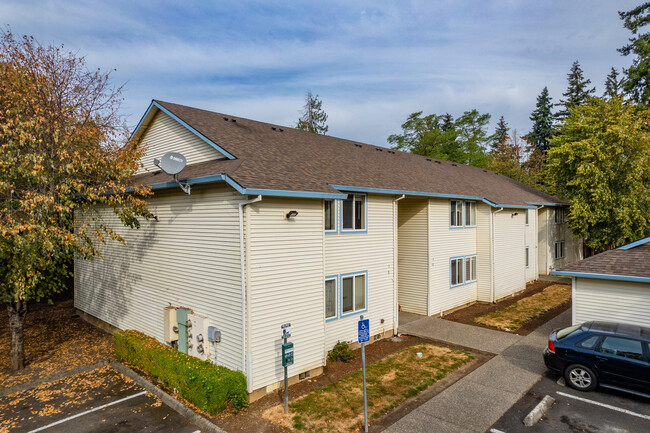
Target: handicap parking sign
(364,331)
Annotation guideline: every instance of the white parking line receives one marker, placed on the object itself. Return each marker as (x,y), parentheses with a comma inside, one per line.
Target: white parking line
(88,411)
(493,430)
(608,406)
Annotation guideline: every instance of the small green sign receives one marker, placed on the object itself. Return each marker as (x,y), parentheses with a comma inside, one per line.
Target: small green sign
(287,354)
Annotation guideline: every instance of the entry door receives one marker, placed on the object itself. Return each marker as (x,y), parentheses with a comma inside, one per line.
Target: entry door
(622,362)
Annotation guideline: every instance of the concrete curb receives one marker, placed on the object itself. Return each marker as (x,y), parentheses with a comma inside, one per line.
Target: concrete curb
(202,422)
(51,378)
(538,412)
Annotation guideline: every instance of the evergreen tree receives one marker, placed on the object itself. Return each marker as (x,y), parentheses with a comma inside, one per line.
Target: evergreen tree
(500,134)
(542,118)
(313,117)
(637,81)
(613,86)
(577,93)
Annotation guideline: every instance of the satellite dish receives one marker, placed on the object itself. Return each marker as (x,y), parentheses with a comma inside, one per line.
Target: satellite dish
(172,163)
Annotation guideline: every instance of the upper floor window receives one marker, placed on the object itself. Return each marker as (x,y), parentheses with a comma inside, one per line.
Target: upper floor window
(560,215)
(354,212)
(330,215)
(462,213)
(527,211)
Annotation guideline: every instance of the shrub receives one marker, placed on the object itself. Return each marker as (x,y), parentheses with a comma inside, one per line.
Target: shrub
(341,352)
(208,386)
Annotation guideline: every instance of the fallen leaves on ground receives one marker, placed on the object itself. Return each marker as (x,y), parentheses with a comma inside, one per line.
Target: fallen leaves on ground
(55,341)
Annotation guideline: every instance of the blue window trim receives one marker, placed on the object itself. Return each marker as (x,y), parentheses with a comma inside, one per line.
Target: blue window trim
(365,223)
(465,268)
(335,203)
(352,313)
(336,294)
(528,256)
(462,261)
(630,278)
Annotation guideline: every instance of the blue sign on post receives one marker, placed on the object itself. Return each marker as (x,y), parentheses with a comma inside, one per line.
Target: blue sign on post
(364,331)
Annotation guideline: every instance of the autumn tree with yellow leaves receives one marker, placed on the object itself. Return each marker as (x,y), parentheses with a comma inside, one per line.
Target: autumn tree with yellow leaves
(64,150)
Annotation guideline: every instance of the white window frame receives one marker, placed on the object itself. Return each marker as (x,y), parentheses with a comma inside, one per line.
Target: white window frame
(455,220)
(562,253)
(471,260)
(527,217)
(527,257)
(334,214)
(472,213)
(560,215)
(365,214)
(460,266)
(354,293)
(336,303)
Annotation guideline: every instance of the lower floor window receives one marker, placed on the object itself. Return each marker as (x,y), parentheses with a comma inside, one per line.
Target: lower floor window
(457,271)
(559,249)
(330,298)
(470,268)
(462,270)
(353,293)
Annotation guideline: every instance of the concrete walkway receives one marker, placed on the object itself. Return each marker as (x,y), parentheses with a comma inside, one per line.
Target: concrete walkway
(479,399)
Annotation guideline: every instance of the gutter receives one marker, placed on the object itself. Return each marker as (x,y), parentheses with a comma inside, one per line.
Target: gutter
(492,255)
(244,343)
(396,263)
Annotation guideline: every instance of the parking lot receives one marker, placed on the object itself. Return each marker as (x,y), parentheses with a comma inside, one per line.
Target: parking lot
(597,411)
(99,401)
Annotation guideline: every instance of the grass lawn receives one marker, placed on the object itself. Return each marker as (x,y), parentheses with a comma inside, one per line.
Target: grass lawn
(339,406)
(517,314)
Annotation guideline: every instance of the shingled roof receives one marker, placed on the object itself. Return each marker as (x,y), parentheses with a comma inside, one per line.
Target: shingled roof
(277,158)
(632,262)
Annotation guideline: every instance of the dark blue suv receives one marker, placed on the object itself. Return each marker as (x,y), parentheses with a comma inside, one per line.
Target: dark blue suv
(612,355)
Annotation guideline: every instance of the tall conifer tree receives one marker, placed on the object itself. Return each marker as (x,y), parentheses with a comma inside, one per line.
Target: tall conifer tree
(313,118)
(577,93)
(637,80)
(500,134)
(613,86)
(542,118)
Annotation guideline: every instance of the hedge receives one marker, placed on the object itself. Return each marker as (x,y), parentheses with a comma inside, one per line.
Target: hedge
(208,386)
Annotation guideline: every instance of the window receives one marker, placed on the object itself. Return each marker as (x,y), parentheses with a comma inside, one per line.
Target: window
(457,271)
(559,250)
(330,215)
(470,213)
(470,268)
(330,298)
(456,218)
(560,214)
(527,257)
(353,293)
(589,342)
(354,212)
(527,216)
(623,347)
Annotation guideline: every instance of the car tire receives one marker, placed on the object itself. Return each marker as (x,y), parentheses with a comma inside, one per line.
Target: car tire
(579,377)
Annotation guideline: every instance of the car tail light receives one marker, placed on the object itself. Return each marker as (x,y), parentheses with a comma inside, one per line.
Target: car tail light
(551,348)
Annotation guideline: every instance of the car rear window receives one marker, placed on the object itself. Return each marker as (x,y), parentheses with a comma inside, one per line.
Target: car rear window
(567,331)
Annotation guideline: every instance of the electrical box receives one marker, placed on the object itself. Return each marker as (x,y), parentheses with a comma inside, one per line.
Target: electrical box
(171,324)
(197,336)
(214,335)
(287,354)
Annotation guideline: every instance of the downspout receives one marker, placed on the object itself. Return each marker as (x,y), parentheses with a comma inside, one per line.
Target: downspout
(396,263)
(492,258)
(242,264)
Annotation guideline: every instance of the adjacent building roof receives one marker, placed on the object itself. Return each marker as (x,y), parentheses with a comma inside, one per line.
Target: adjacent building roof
(628,263)
(263,157)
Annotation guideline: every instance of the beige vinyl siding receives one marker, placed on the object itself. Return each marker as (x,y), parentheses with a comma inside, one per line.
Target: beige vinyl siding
(164,135)
(445,243)
(484,252)
(285,285)
(611,300)
(530,235)
(543,250)
(550,232)
(509,259)
(189,258)
(371,252)
(413,255)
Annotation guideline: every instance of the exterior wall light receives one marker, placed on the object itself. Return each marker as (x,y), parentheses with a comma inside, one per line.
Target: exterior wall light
(515,214)
(291,214)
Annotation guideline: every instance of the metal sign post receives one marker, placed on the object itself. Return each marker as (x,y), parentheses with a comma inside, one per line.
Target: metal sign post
(364,337)
(287,360)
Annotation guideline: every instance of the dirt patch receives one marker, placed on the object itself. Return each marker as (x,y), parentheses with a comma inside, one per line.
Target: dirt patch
(512,317)
(56,340)
(339,406)
(468,314)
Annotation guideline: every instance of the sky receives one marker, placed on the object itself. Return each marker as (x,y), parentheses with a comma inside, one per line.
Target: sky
(372,63)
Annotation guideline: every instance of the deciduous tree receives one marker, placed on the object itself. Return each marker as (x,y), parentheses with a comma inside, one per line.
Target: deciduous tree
(63,151)
(601,163)
(313,118)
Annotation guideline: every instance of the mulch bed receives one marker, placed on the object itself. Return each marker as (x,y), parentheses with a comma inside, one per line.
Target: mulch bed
(56,339)
(466,315)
